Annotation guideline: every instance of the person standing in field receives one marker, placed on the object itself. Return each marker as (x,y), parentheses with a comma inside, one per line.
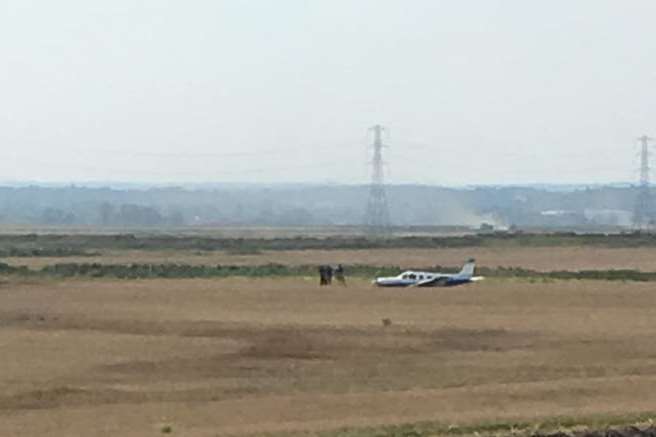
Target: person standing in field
(339,275)
(329,275)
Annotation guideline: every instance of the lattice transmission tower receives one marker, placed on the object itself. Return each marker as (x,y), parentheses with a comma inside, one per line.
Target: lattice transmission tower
(377,215)
(643,215)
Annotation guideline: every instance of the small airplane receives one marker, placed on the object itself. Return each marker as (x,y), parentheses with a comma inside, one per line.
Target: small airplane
(429,279)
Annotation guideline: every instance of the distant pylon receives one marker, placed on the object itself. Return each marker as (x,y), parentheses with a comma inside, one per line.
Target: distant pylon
(377,215)
(643,215)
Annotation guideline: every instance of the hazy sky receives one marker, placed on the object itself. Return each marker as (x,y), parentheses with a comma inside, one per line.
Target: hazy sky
(473,91)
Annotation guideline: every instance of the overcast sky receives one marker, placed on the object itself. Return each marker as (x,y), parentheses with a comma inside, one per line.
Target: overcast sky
(472,91)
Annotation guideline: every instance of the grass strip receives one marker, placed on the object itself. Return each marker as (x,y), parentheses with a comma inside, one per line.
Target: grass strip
(172,270)
(73,243)
(561,426)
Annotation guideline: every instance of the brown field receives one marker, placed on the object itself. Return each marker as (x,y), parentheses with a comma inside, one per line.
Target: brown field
(238,356)
(538,258)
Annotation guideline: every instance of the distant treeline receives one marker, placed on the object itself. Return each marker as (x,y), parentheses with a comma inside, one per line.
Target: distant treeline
(77,244)
(171,271)
(27,252)
(317,205)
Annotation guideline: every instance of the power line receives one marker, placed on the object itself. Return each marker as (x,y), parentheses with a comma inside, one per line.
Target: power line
(192,155)
(191,173)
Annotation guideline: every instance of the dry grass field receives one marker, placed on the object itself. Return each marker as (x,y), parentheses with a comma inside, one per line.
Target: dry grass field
(537,258)
(240,356)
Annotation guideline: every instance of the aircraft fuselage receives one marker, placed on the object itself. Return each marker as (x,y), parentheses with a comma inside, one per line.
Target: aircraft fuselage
(422,279)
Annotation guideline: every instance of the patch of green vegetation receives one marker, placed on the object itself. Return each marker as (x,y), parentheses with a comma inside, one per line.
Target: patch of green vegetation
(507,428)
(24,252)
(80,244)
(535,276)
(171,270)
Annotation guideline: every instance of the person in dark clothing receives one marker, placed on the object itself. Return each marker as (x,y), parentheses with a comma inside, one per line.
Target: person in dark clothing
(329,275)
(322,275)
(339,275)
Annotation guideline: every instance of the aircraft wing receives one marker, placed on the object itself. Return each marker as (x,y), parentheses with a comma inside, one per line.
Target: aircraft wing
(439,281)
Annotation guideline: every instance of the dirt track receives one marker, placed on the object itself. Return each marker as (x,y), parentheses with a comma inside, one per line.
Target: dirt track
(209,357)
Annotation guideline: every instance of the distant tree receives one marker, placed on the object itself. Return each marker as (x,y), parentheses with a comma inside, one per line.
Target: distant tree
(54,216)
(294,217)
(176,218)
(486,227)
(137,215)
(106,213)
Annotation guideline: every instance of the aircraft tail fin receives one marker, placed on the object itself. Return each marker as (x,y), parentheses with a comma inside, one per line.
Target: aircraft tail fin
(468,269)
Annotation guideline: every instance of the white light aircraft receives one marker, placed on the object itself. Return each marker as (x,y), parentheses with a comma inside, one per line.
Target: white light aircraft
(430,279)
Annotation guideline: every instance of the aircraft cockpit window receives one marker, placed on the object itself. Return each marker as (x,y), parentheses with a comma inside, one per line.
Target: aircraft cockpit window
(412,276)
(404,277)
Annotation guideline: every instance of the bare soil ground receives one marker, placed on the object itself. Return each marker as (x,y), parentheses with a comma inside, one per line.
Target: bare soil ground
(539,258)
(237,356)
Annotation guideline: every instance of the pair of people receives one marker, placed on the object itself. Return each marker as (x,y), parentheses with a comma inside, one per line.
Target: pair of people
(326,274)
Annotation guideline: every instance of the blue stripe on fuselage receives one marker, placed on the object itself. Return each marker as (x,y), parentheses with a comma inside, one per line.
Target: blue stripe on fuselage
(456,281)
